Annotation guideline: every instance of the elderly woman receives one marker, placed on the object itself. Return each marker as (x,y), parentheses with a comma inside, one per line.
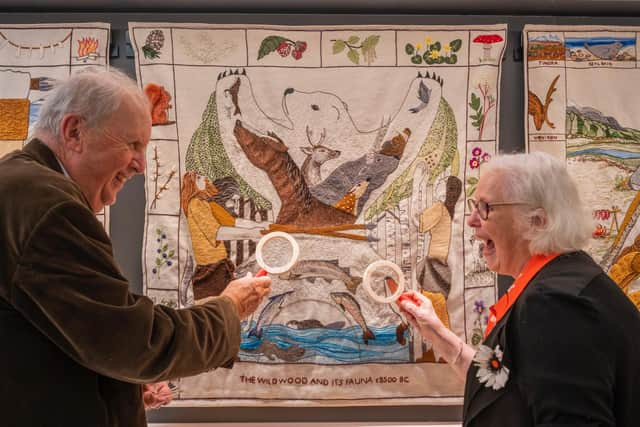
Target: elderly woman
(561,345)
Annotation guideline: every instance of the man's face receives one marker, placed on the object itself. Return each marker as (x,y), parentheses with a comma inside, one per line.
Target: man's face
(505,251)
(113,154)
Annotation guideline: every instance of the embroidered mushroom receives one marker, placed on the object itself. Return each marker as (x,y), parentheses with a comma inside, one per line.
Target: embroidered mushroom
(487,40)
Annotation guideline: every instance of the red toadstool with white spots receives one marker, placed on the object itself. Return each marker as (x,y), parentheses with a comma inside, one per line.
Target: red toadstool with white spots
(487,40)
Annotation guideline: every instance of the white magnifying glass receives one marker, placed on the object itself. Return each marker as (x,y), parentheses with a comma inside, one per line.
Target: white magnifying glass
(383,281)
(276,253)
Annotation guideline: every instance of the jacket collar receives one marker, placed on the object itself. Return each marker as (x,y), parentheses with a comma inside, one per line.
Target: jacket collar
(43,154)
(477,396)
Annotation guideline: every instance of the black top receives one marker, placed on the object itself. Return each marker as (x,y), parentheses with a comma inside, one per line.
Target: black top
(570,343)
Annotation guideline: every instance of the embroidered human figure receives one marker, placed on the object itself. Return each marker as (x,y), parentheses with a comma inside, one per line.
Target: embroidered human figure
(211,222)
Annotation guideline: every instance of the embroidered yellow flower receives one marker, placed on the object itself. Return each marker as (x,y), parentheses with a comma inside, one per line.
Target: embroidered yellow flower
(446,48)
(491,372)
(428,40)
(418,46)
(434,54)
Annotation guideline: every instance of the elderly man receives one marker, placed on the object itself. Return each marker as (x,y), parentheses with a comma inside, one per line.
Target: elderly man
(76,344)
(560,346)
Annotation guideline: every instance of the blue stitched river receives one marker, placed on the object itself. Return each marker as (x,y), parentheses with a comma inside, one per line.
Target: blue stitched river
(282,344)
(620,154)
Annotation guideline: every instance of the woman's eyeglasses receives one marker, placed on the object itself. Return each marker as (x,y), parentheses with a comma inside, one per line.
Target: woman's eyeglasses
(483,207)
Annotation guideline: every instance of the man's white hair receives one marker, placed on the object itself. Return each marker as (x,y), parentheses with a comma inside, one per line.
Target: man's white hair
(94,93)
(543,183)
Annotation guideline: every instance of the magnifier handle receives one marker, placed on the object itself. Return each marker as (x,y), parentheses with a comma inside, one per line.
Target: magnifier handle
(409,296)
(261,273)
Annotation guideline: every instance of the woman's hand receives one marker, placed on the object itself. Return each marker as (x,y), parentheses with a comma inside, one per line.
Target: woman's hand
(420,313)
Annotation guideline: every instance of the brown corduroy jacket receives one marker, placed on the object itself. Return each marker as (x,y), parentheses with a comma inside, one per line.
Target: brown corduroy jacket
(75,343)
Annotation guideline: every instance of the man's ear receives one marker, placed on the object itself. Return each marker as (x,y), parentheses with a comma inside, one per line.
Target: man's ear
(70,127)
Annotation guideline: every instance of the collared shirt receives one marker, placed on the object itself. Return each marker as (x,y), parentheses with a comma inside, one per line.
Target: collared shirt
(502,306)
(64,170)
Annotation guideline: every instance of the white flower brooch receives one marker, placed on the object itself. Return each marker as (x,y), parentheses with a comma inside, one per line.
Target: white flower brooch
(491,372)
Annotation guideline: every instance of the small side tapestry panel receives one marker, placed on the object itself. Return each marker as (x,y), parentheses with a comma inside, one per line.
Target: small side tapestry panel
(33,58)
(580,83)
(363,142)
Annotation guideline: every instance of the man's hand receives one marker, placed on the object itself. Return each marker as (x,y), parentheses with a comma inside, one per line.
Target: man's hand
(156,395)
(247,293)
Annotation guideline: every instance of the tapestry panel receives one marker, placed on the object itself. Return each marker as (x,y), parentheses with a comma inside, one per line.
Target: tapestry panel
(363,142)
(577,81)
(33,57)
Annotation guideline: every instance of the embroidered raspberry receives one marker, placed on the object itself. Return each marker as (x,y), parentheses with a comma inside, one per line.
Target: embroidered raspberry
(296,54)
(301,46)
(283,49)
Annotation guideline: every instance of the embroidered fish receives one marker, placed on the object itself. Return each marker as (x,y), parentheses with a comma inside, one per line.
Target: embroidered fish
(313,324)
(233,92)
(329,270)
(272,307)
(402,326)
(349,304)
(271,350)
(539,110)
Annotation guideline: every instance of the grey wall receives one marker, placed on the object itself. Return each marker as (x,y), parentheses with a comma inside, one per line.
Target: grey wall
(127,216)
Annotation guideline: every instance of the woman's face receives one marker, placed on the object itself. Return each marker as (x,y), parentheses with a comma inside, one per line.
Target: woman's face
(505,251)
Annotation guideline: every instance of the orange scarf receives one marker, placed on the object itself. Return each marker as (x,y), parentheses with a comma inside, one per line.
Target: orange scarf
(500,308)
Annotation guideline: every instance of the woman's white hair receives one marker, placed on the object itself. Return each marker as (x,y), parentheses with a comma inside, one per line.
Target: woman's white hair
(554,218)
(94,93)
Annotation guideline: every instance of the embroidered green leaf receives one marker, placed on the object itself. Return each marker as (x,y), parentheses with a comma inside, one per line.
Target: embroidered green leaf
(416,59)
(207,156)
(354,56)
(369,48)
(440,144)
(475,101)
(353,40)
(269,44)
(409,49)
(370,42)
(436,46)
(472,180)
(172,253)
(455,45)
(338,46)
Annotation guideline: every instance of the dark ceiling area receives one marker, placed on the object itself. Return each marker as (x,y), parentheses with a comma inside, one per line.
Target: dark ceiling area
(389,7)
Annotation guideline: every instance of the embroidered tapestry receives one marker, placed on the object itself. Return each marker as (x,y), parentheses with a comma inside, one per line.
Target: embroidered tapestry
(33,58)
(577,82)
(361,141)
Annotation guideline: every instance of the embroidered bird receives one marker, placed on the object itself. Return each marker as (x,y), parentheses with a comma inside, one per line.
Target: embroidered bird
(424,94)
(350,200)
(539,110)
